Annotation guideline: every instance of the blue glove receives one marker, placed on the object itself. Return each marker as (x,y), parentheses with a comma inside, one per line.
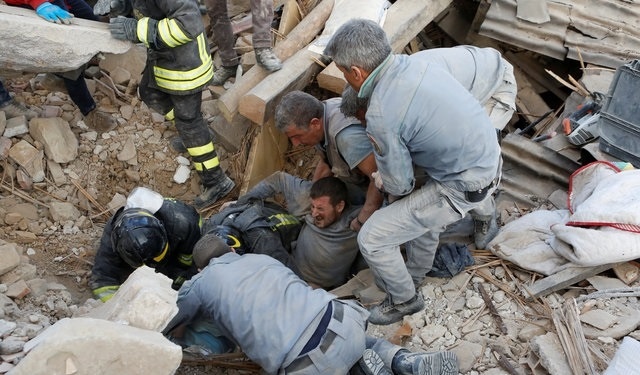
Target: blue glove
(124,28)
(53,13)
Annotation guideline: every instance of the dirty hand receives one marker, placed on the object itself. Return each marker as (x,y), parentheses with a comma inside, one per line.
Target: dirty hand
(355,225)
(54,13)
(227,204)
(124,28)
(377,180)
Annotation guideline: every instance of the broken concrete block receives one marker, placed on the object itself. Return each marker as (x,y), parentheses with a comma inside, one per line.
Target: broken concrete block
(29,158)
(60,144)
(95,346)
(31,45)
(132,61)
(18,290)
(9,257)
(549,349)
(63,211)
(56,172)
(16,126)
(145,300)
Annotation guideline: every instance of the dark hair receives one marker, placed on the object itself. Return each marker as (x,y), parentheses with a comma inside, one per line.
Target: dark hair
(331,187)
(208,247)
(351,103)
(297,108)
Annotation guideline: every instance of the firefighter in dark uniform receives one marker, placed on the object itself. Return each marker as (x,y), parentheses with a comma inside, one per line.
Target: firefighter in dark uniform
(153,231)
(178,67)
(258,227)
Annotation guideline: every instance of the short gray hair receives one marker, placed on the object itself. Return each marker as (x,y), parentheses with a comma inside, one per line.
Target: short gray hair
(297,108)
(360,43)
(351,103)
(208,247)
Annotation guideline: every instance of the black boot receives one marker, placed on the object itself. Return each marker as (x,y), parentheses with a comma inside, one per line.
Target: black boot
(436,363)
(221,186)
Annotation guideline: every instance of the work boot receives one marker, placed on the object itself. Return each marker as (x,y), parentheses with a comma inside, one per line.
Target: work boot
(387,313)
(267,59)
(212,193)
(437,363)
(14,108)
(221,75)
(176,144)
(485,228)
(372,364)
(100,121)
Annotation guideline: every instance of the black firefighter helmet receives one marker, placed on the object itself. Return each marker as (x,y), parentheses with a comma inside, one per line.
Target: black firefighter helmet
(139,238)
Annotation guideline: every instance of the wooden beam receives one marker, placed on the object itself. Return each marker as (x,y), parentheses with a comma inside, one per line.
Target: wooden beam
(563,279)
(405,19)
(332,79)
(259,104)
(298,38)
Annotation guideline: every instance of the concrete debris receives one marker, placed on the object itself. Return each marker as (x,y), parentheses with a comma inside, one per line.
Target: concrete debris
(67,47)
(60,144)
(145,301)
(96,346)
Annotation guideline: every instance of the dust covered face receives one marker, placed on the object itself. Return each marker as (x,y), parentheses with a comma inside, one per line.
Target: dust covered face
(323,212)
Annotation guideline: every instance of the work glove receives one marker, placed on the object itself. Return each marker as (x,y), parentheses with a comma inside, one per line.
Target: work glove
(54,13)
(112,7)
(377,180)
(124,28)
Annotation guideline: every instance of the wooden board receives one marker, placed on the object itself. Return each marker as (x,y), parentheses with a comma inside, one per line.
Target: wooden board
(405,19)
(259,104)
(290,19)
(563,279)
(332,79)
(298,38)
(265,157)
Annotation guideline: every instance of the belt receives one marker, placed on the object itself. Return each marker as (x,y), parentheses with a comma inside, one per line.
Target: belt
(326,337)
(480,194)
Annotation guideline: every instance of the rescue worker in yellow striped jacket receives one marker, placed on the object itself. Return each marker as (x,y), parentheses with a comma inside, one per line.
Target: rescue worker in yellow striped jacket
(178,67)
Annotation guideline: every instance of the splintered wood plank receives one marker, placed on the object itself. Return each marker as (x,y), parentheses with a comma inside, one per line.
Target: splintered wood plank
(265,157)
(290,19)
(563,279)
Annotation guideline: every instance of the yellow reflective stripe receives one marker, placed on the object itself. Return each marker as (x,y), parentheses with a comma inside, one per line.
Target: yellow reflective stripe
(171,34)
(201,150)
(106,292)
(185,259)
(142,30)
(170,116)
(209,164)
(179,80)
(236,242)
(161,256)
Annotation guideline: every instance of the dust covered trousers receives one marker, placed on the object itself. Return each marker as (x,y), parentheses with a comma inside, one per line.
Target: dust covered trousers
(182,225)
(261,17)
(178,67)
(277,319)
(420,115)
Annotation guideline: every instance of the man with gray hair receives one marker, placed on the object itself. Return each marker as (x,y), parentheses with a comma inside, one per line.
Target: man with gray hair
(418,115)
(284,325)
(482,71)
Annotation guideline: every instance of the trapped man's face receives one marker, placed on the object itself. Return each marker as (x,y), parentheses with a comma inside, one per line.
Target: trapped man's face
(324,213)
